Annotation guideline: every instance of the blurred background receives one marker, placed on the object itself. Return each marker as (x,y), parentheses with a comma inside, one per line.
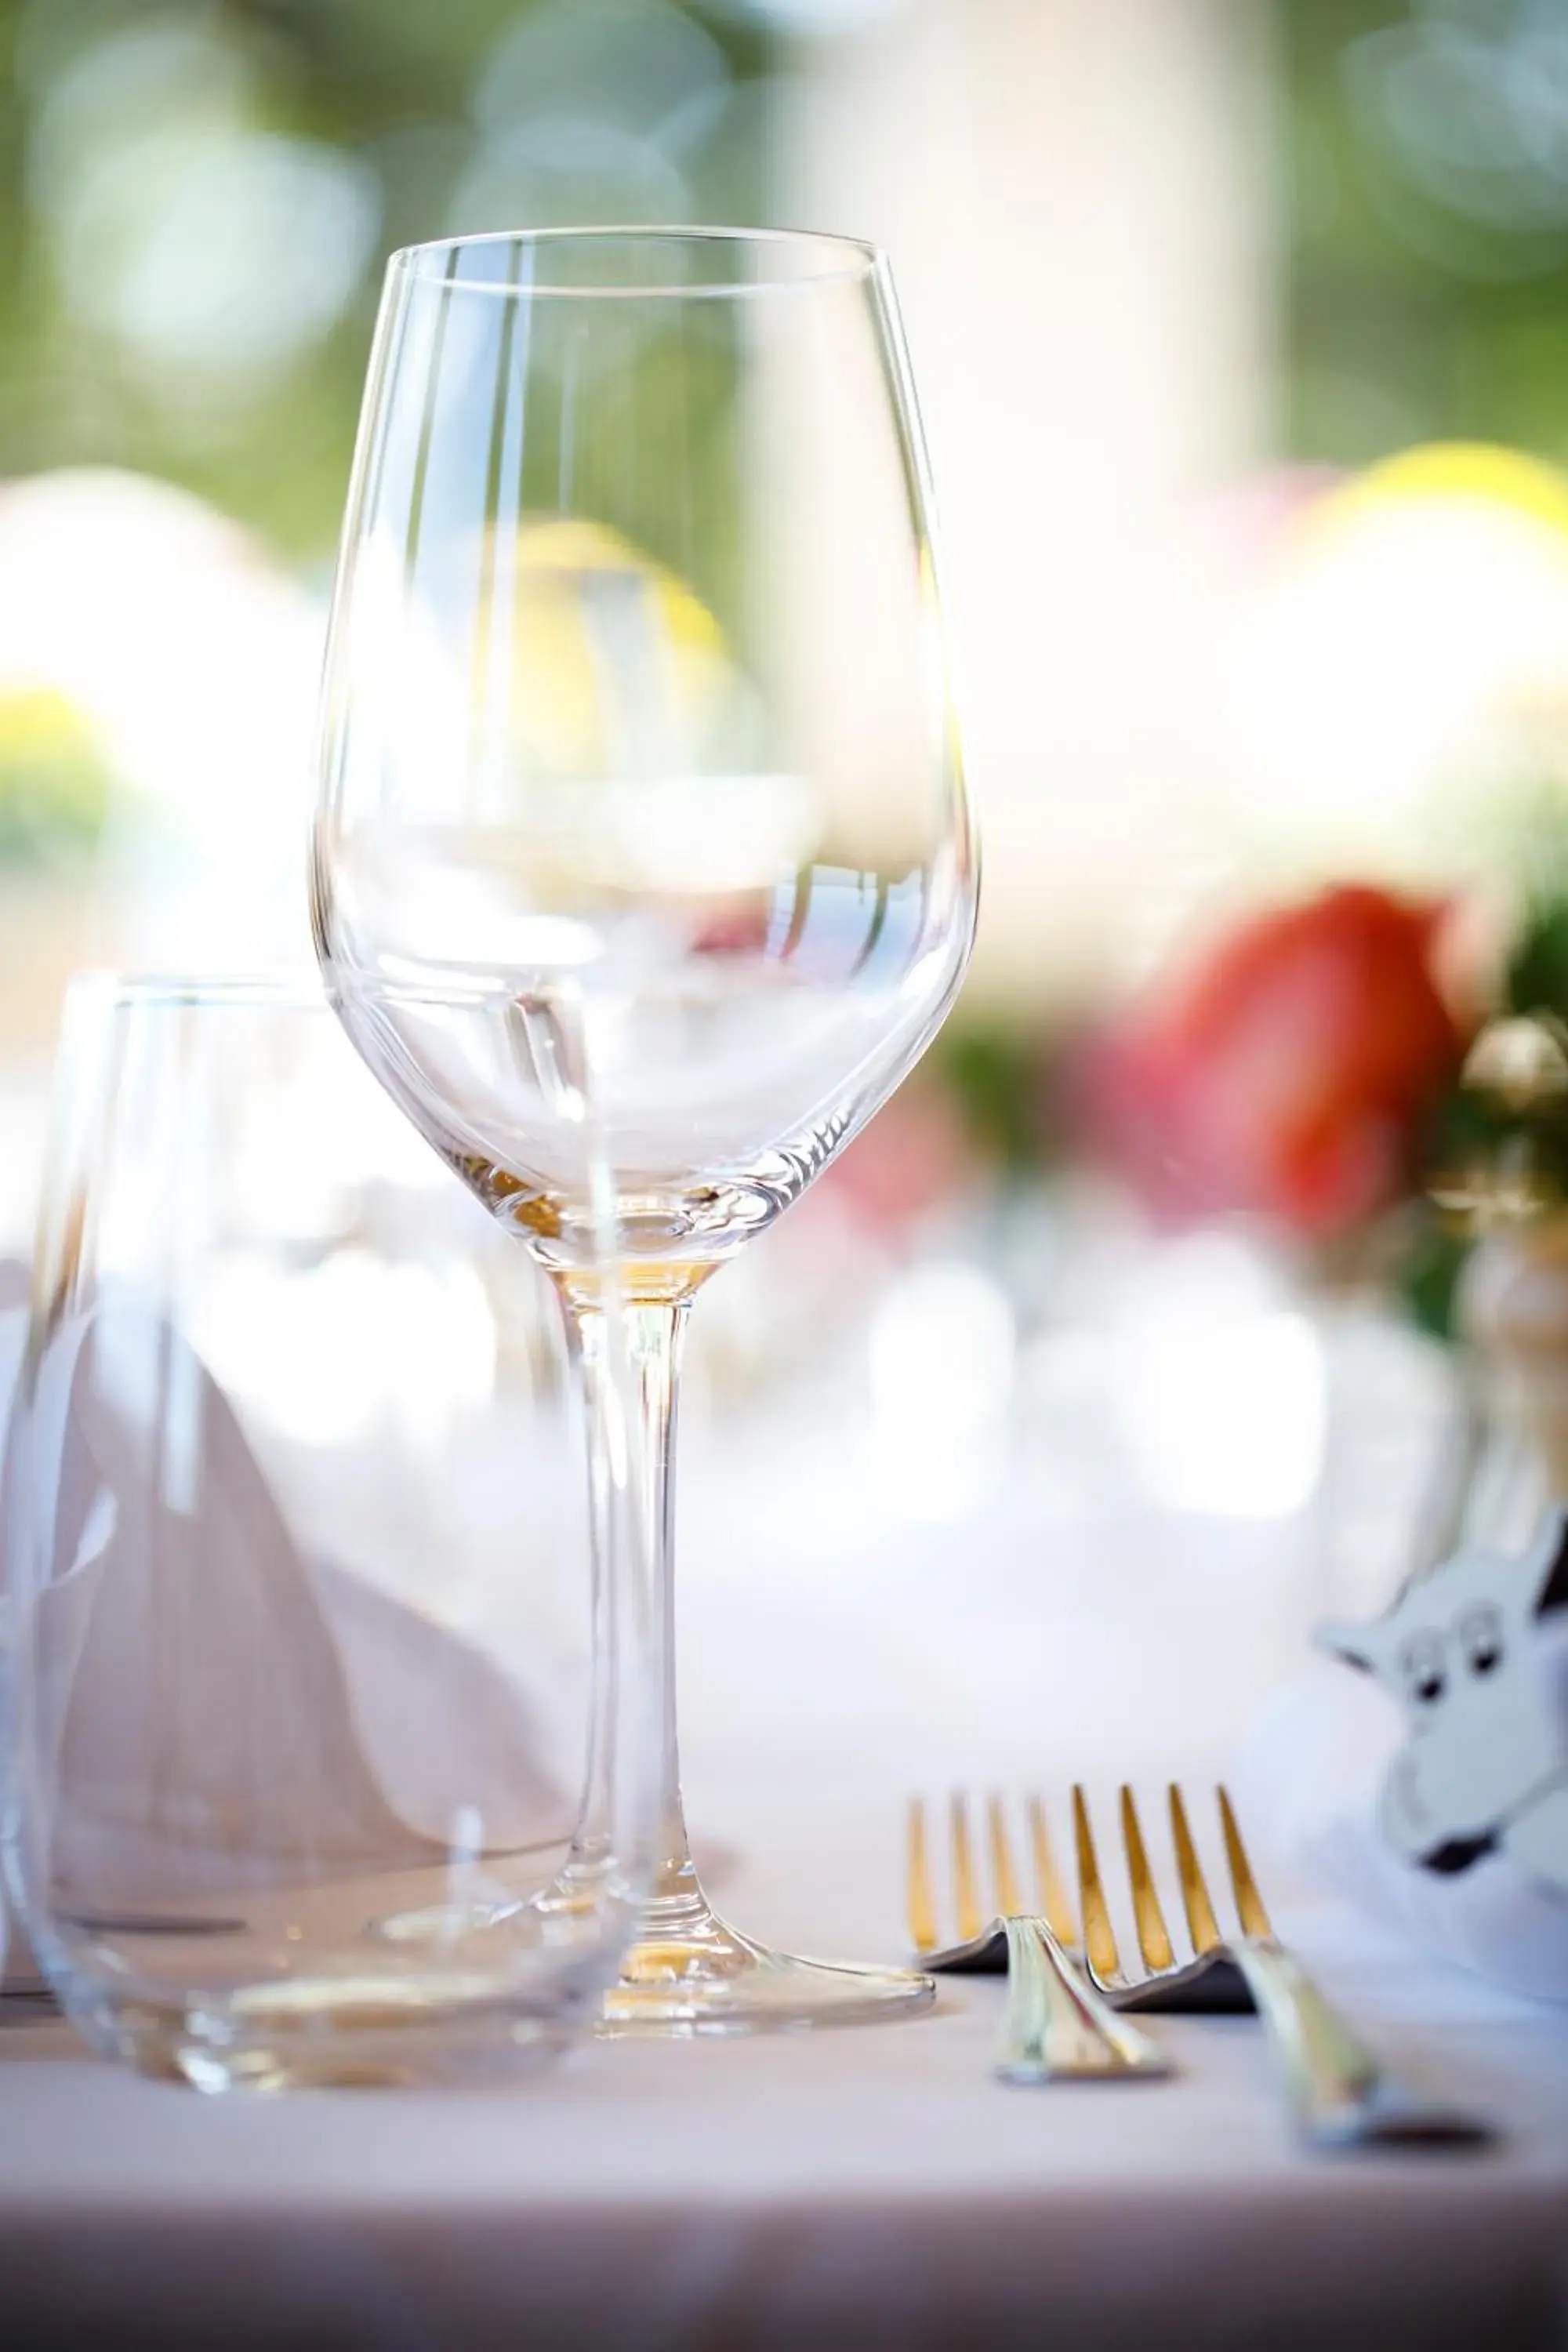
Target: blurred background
(1241,327)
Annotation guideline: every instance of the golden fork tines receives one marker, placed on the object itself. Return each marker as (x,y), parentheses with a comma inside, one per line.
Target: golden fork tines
(966,1895)
(921,1910)
(1098,1937)
(1000,1890)
(1011,1894)
(1009,1901)
(1153,1938)
(1154,1944)
(1201,1925)
(1054,1903)
(1248,1902)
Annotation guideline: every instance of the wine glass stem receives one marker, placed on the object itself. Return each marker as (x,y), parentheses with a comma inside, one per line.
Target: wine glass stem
(652,1334)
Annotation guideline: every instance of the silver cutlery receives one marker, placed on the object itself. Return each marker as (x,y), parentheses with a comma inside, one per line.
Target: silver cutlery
(1056,2026)
(1342,2095)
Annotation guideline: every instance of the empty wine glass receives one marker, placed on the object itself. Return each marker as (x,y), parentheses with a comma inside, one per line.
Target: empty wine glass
(637,746)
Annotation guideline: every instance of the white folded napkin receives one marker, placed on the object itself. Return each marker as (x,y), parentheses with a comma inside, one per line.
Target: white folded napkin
(220,1708)
(1308,1780)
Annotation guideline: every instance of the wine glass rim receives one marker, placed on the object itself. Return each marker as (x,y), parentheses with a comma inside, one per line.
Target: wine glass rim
(839,258)
(289,988)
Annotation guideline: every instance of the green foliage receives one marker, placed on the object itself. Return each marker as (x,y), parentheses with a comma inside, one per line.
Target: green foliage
(1428,235)
(1428,1270)
(1536,980)
(997,1076)
(399,92)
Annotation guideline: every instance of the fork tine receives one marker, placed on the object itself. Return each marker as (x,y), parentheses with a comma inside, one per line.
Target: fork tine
(1098,1937)
(964,1888)
(1049,1890)
(1009,1904)
(1153,1937)
(1248,1902)
(921,1906)
(1201,1925)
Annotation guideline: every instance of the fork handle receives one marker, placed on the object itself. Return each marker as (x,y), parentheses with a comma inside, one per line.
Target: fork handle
(1341,2094)
(1056,2027)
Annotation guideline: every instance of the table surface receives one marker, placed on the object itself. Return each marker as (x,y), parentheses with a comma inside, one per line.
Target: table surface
(861,2185)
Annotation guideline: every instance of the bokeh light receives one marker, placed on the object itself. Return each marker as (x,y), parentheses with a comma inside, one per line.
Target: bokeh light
(1404,652)
(1242,362)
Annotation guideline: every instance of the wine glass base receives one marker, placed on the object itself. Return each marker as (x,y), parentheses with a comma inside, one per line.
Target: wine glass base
(698,1976)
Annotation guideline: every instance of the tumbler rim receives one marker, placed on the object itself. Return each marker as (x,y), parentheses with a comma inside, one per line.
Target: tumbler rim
(287,988)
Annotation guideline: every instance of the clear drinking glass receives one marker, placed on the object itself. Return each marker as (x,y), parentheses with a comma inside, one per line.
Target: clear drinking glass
(302,1675)
(636,701)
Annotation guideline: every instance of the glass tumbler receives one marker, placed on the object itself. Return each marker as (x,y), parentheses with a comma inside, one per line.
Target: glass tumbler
(302,1613)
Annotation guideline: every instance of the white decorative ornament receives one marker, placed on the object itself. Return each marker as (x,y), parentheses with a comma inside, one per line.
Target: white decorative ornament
(1468,1653)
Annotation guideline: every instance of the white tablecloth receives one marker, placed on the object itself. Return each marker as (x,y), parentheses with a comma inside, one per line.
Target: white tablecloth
(861,2187)
(864,2187)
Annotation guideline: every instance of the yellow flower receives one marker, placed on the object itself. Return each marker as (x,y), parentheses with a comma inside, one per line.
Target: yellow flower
(54,776)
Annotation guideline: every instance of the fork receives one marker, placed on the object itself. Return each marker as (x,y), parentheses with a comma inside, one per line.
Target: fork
(1341,2094)
(1056,2026)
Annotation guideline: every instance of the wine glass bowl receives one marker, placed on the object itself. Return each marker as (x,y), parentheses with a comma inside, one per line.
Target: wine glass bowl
(643,852)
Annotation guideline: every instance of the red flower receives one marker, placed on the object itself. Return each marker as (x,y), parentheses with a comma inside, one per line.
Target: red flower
(1288,1073)
(915,1154)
